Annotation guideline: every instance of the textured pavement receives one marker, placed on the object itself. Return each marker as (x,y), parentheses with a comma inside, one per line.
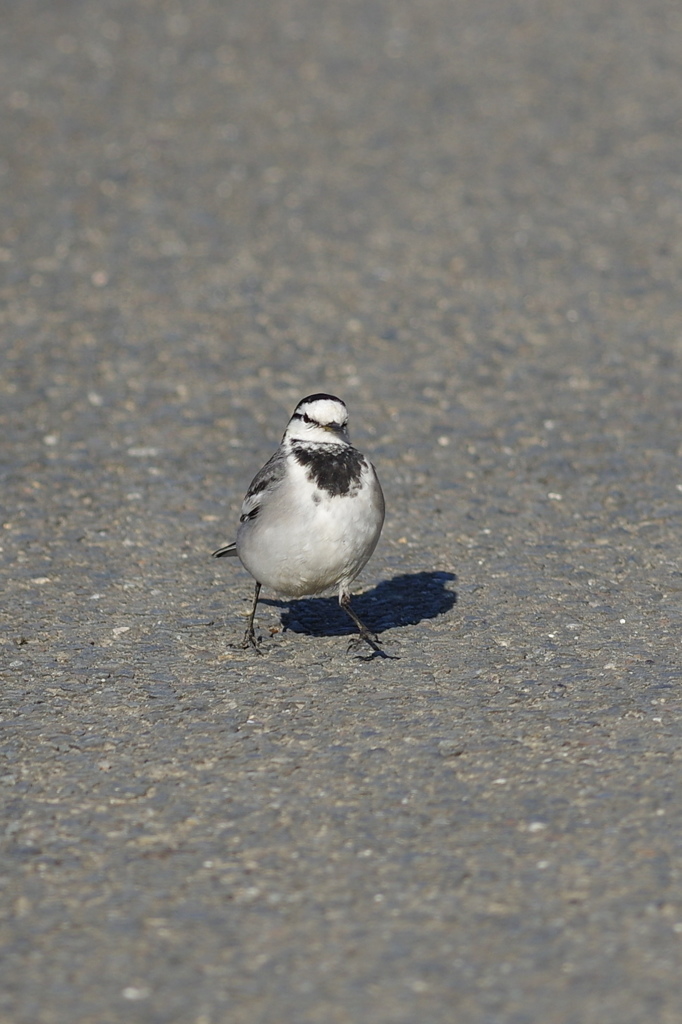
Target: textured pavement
(464,217)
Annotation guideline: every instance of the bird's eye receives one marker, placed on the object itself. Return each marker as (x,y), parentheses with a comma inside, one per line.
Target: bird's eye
(306,418)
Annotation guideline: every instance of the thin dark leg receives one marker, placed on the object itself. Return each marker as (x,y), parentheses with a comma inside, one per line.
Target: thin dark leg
(249,635)
(367,636)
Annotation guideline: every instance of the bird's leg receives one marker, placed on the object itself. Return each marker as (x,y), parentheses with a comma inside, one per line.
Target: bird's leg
(249,636)
(369,637)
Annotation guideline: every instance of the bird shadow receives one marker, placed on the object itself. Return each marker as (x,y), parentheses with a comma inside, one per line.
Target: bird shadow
(401,601)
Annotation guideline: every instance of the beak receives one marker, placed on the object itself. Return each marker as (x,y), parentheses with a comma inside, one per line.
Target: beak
(335,428)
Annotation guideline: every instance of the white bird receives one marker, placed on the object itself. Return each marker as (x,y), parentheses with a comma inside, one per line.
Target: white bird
(312,516)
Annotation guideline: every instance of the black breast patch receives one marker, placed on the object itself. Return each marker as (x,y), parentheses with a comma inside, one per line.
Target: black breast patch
(334,468)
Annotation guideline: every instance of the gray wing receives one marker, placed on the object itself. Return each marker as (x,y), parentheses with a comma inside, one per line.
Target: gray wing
(264,481)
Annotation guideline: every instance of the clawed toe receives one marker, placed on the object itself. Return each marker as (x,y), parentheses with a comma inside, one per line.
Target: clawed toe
(365,637)
(249,641)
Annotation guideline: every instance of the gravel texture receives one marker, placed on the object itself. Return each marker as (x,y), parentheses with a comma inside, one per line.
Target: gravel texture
(465,218)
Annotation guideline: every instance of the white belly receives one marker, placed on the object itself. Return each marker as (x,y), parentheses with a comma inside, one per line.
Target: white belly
(303,544)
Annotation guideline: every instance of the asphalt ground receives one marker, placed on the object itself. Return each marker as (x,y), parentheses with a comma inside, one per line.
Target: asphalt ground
(464,217)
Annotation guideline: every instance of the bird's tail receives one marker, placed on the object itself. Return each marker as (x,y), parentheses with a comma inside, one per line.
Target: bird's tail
(230,550)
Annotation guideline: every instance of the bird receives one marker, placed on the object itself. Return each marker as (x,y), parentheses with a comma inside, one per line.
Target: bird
(312,515)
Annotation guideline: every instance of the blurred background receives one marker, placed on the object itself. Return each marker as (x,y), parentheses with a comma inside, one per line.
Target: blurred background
(464,219)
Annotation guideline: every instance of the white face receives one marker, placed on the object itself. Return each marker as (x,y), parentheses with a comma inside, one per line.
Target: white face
(319,418)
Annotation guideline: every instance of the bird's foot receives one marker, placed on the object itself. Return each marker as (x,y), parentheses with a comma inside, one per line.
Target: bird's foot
(250,640)
(372,640)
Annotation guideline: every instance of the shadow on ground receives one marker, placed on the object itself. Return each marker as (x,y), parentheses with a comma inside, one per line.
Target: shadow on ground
(402,601)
